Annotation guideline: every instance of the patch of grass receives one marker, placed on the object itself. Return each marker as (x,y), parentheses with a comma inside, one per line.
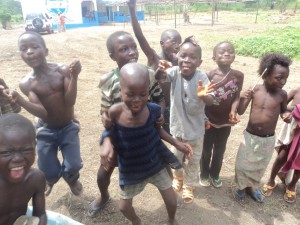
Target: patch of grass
(283,40)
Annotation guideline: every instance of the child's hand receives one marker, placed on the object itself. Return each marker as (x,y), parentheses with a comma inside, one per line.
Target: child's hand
(207,125)
(131,3)
(286,117)
(160,121)
(106,120)
(75,68)
(247,94)
(11,95)
(185,148)
(233,118)
(204,90)
(107,154)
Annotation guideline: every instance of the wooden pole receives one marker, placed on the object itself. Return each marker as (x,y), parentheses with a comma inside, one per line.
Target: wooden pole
(175,12)
(257,6)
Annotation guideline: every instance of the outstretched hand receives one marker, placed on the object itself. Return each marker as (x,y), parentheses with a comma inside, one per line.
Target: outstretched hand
(205,90)
(10,94)
(248,94)
(233,118)
(75,68)
(163,65)
(286,117)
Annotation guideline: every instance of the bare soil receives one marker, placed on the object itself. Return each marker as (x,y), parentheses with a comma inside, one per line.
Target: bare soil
(211,206)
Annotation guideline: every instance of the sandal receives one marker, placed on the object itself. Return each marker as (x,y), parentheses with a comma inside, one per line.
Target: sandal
(257,196)
(93,210)
(289,196)
(187,194)
(239,197)
(177,184)
(267,190)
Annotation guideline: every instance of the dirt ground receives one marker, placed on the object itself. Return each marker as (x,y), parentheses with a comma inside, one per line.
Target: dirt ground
(211,206)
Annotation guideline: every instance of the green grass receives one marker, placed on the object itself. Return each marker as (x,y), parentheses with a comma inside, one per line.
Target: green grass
(283,40)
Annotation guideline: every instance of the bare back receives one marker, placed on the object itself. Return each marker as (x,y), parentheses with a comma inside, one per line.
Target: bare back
(14,198)
(49,90)
(265,109)
(294,96)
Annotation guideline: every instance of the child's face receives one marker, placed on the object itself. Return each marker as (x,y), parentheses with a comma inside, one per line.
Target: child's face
(33,52)
(278,77)
(189,58)
(170,46)
(224,54)
(125,50)
(134,95)
(17,154)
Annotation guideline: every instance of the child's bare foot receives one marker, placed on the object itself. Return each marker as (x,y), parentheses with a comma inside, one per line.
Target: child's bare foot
(173,222)
(76,188)
(98,204)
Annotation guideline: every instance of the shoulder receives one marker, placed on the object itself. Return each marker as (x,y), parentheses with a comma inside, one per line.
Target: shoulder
(61,68)
(238,74)
(211,74)
(154,108)
(108,78)
(115,110)
(36,176)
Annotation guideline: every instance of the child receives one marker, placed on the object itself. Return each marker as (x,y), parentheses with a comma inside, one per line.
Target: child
(51,90)
(5,105)
(136,140)
(19,183)
(221,115)
(288,135)
(268,102)
(169,41)
(187,111)
(122,49)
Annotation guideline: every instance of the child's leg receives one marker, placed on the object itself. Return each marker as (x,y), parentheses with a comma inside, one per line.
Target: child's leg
(128,211)
(292,186)
(169,198)
(222,135)
(206,154)
(279,162)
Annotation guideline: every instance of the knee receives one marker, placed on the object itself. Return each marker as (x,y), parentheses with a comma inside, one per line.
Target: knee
(124,206)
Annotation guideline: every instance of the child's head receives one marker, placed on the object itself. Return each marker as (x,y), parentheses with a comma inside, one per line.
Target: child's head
(122,48)
(17,147)
(224,53)
(134,83)
(189,57)
(170,41)
(33,49)
(274,69)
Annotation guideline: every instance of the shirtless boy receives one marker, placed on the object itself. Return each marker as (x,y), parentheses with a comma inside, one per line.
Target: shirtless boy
(52,91)
(268,102)
(18,181)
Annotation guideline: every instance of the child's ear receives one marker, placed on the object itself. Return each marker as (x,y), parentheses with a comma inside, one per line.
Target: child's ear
(214,58)
(161,43)
(111,55)
(46,51)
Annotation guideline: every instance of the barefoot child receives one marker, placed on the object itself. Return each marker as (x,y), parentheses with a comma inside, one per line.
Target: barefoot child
(268,102)
(19,183)
(287,159)
(5,105)
(122,49)
(221,115)
(51,90)
(170,40)
(188,100)
(136,140)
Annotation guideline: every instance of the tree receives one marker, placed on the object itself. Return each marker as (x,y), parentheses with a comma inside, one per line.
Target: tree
(8,8)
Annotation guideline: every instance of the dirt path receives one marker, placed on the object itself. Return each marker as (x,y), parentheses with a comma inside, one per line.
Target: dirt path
(211,206)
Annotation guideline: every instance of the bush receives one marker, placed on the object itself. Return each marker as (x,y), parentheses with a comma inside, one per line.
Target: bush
(284,40)
(5,17)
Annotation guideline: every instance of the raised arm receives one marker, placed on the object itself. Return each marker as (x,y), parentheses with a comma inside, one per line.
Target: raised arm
(151,55)
(71,76)
(245,99)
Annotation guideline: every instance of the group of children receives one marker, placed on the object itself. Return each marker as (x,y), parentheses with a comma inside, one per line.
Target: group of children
(133,110)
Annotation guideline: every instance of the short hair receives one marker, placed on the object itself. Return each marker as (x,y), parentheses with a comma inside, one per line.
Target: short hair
(168,33)
(134,71)
(269,61)
(16,121)
(193,41)
(220,43)
(37,35)
(112,39)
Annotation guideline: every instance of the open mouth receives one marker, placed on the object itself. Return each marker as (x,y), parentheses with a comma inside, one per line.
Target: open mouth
(17,172)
